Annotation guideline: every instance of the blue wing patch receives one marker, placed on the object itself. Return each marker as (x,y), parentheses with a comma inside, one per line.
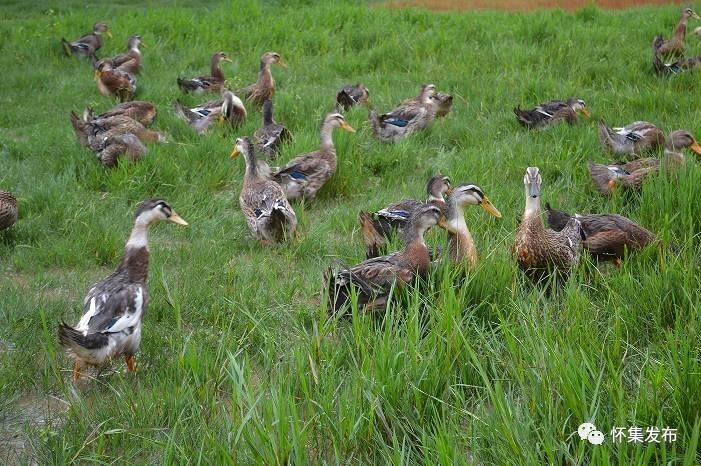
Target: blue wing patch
(401,123)
(297,175)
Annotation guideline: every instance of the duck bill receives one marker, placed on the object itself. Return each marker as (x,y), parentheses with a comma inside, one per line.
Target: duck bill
(586,113)
(347,127)
(696,147)
(282,63)
(227,59)
(177,219)
(143,44)
(221,119)
(235,153)
(489,207)
(109,34)
(443,222)
(695,16)
(533,190)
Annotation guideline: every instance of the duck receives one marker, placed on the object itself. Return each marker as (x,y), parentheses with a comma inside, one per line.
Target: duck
(372,280)
(264,87)
(268,213)
(93,133)
(213,83)
(114,307)
(444,103)
(632,174)
(87,45)
(676,67)
(378,227)
(304,175)
(112,82)
(551,112)
(608,237)
(674,47)
(141,111)
(633,139)
(8,210)
(542,253)
(129,62)
(113,146)
(352,95)
(270,137)
(227,109)
(461,244)
(410,116)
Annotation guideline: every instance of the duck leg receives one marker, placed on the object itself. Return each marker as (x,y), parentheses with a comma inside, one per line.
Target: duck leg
(131,363)
(76,371)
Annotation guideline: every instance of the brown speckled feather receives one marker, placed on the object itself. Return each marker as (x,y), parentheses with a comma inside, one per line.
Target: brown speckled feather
(8,210)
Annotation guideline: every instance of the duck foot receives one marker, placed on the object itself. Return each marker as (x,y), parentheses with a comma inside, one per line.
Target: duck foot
(76,371)
(131,363)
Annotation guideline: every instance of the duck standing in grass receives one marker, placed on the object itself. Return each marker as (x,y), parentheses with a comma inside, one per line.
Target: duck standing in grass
(271,135)
(608,236)
(114,307)
(410,116)
(633,139)
(268,213)
(87,45)
(114,83)
(129,62)
(461,244)
(674,47)
(632,174)
(352,95)
(551,112)
(213,83)
(377,228)
(373,279)
(228,109)
(304,175)
(541,252)
(264,88)
(444,103)
(8,210)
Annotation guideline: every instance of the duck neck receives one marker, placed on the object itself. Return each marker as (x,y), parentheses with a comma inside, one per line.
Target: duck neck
(268,115)
(680,31)
(325,136)
(265,77)
(136,254)
(216,69)
(672,158)
(416,250)
(460,241)
(532,209)
(252,172)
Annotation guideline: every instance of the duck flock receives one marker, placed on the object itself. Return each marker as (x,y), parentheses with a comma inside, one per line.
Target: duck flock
(114,307)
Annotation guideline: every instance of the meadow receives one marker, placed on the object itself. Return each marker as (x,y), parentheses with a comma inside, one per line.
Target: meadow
(240,362)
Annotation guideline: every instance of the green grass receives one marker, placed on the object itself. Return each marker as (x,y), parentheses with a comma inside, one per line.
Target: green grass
(239,361)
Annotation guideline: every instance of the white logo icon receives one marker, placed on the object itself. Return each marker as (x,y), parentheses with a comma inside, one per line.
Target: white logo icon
(587,431)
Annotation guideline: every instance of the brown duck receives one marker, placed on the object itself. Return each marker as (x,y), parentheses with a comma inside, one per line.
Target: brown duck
(551,112)
(608,236)
(352,95)
(213,83)
(542,253)
(129,62)
(674,47)
(8,210)
(378,227)
(264,88)
(229,109)
(372,280)
(114,83)
(143,112)
(633,174)
(270,137)
(633,139)
(87,45)
(305,174)
(115,307)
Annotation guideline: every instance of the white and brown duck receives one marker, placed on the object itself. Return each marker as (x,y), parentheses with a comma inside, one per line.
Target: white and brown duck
(264,87)
(270,137)
(8,210)
(113,82)
(130,61)
(213,83)
(114,308)
(87,45)
(229,109)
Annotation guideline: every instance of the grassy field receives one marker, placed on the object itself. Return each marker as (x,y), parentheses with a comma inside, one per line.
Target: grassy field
(239,361)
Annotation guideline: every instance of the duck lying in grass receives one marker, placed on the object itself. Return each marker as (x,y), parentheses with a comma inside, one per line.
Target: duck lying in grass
(8,210)
(674,47)
(608,236)
(551,112)
(304,175)
(264,87)
(676,67)
(270,137)
(268,213)
(87,45)
(114,83)
(412,115)
(115,307)
(352,95)
(461,245)
(143,112)
(229,109)
(540,253)
(213,83)
(129,62)
(631,175)
(372,280)
(378,227)
(633,139)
